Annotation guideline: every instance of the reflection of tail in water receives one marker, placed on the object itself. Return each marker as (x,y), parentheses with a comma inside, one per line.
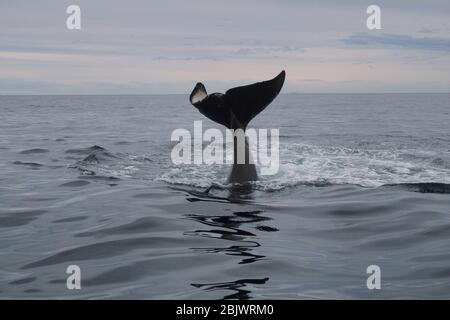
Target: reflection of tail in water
(239,286)
(234,193)
(230,227)
(245,244)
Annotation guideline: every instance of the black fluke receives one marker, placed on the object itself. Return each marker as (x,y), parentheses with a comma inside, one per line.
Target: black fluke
(239,105)
(235,109)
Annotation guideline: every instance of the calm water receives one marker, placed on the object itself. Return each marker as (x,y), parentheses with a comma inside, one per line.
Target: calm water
(88,180)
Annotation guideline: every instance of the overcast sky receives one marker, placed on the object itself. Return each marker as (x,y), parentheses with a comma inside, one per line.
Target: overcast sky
(133,46)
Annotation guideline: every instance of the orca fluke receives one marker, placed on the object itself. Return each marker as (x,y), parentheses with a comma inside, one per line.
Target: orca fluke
(235,109)
(239,105)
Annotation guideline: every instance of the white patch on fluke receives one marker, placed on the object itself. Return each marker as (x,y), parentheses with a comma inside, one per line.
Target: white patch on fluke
(199,95)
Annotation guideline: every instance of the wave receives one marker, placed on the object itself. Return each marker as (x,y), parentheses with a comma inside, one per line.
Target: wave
(34,151)
(85,151)
(102,165)
(301,164)
(304,164)
(31,165)
(423,187)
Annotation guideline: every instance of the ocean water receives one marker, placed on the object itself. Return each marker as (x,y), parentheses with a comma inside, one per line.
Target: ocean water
(364,180)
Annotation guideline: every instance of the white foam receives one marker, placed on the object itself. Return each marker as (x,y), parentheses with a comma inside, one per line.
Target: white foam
(309,164)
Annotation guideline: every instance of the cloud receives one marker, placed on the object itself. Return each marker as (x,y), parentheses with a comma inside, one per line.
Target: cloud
(426,30)
(398,41)
(149,46)
(268,51)
(89,87)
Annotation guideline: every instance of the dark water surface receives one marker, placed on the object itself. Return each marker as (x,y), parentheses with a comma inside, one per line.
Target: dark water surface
(88,180)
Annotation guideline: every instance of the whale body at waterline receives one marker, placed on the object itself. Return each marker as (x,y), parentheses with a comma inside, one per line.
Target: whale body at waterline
(234,109)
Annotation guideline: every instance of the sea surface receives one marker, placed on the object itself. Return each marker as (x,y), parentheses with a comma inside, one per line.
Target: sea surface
(364,180)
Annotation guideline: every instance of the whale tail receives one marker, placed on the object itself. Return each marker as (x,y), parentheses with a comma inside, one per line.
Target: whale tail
(238,106)
(235,109)
(248,101)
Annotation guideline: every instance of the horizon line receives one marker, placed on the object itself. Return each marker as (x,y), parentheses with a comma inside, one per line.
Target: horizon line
(174,94)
